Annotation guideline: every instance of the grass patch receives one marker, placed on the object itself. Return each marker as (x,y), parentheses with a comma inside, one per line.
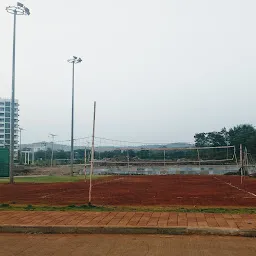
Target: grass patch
(51,179)
(4,205)
(55,208)
(122,209)
(29,207)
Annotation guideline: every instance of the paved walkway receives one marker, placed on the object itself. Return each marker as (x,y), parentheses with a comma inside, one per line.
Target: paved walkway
(128,219)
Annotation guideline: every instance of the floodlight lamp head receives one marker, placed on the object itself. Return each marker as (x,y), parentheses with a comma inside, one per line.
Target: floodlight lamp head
(27,11)
(20,4)
(79,60)
(75,57)
(19,9)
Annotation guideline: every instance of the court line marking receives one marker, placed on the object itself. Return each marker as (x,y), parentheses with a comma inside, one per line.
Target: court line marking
(248,192)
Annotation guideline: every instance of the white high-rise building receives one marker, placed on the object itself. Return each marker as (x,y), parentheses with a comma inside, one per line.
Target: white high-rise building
(5,124)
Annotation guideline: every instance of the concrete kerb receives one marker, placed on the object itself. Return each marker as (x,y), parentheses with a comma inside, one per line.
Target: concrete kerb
(125,230)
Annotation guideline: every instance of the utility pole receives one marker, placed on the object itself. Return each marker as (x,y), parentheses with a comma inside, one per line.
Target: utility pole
(52,135)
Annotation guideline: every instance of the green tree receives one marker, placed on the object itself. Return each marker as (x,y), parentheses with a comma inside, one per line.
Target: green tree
(200,139)
(244,134)
(211,139)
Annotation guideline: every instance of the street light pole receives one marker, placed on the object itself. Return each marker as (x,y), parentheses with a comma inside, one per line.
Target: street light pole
(19,9)
(21,129)
(74,61)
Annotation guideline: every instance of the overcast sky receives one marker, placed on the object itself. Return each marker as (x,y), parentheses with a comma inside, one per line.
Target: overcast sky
(160,70)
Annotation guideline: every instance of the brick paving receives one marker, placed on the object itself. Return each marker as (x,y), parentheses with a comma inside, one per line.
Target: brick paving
(128,219)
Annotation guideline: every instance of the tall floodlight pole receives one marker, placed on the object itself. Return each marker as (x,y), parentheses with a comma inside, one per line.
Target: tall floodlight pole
(18,9)
(52,135)
(73,61)
(21,129)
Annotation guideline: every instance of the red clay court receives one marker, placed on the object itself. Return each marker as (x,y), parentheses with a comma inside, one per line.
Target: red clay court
(172,190)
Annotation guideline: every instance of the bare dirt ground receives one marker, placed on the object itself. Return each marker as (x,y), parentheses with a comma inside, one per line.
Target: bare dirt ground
(126,245)
(187,190)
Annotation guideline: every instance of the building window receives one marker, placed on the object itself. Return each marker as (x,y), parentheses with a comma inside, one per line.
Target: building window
(1,125)
(1,130)
(7,109)
(7,136)
(7,120)
(1,109)
(7,130)
(1,114)
(1,136)
(7,103)
(7,125)
(7,114)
